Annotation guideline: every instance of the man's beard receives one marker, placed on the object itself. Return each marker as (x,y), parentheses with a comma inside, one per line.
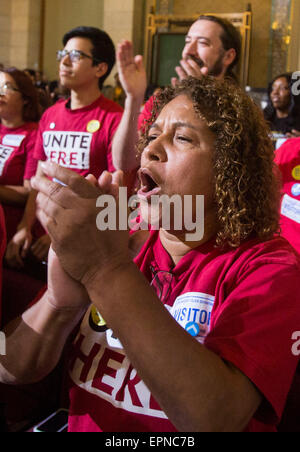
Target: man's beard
(214,71)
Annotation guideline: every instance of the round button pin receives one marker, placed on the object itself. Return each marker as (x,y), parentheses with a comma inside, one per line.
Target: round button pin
(295,190)
(93,126)
(296,172)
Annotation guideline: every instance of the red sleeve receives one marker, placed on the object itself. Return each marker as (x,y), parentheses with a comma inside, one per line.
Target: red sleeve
(39,153)
(31,162)
(253,330)
(146,113)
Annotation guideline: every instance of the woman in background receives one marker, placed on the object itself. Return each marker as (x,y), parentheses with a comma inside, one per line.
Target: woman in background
(283,112)
(19,115)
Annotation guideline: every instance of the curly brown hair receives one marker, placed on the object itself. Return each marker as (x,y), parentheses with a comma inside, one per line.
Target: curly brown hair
(247,186)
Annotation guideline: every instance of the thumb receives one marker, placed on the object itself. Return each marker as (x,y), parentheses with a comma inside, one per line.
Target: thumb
(26,247)
(138,59)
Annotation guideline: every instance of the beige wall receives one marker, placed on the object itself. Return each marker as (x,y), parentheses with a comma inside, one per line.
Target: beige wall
(124,19)
(60,17)
(5,13)
(20,27)
(294,53)
(120,19)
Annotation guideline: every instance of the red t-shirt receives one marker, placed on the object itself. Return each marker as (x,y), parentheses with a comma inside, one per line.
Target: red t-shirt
(79,139)
(288,160)
(242,304)
(16,164)
(146,113)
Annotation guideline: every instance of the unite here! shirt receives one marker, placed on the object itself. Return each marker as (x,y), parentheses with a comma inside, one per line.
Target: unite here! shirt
(80,139)
(243,304)
(287,158)
(17,163)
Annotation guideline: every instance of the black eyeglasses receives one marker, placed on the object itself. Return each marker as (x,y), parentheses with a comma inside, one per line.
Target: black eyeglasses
(74,55)
(6,88)
(161,282)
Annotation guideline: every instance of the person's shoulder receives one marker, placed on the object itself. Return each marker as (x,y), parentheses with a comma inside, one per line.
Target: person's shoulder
(148,107)
(287,150)
(277,250)
(31,126)
(53,109)
(146,113)
(109,105)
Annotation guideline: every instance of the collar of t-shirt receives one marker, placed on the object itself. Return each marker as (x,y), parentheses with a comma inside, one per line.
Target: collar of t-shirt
(163,261)
(82,109)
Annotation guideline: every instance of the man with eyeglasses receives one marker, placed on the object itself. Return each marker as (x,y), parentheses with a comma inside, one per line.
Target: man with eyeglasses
(77,133)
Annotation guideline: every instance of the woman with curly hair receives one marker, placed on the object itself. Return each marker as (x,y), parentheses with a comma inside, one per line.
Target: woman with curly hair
(242,159)
(197,334)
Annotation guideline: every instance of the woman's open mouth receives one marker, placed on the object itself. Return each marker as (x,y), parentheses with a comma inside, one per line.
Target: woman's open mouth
(149,186)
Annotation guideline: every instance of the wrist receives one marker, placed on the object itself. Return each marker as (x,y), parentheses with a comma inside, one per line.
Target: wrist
(52,304)
(49,321)
(102,279)
(134,102)
(23,226)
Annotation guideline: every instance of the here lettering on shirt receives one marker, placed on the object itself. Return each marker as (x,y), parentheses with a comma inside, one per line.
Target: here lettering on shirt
(5,153)
(68,149)
(108,374)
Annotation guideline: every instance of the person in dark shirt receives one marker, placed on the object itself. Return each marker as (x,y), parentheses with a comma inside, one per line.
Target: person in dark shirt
(283,110)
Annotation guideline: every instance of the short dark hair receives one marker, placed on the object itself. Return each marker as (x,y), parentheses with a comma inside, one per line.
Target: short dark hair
(31,109)
(230,37)
(103,50)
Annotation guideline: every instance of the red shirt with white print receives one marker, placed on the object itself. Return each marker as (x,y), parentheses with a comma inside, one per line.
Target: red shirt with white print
(287,159)
(16,164)
(80,139)
(242,304)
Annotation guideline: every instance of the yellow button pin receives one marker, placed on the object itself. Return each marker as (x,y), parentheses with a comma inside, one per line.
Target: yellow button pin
(93,126)
(296,172)
(97,317)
